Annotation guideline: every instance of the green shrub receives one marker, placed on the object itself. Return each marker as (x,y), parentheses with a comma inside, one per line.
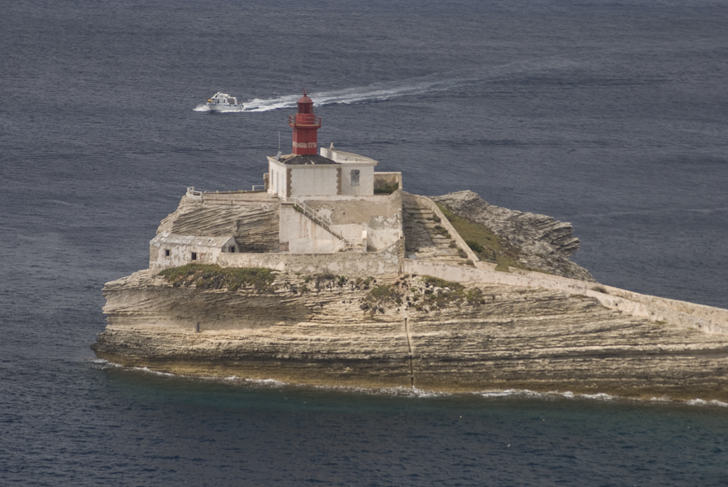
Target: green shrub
(475,246)
(386,188)
(212,276)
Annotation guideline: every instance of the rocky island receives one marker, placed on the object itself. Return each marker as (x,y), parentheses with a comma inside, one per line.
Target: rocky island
(333,275)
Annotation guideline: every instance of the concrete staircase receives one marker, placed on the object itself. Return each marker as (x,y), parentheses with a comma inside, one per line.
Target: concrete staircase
(308,212)
(425,238)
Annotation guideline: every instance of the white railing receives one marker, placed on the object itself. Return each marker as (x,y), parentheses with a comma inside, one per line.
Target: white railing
(198,193)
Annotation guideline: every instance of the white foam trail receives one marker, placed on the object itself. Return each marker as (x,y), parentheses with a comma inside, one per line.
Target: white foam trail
(371,93)
(525,393)
(510,392)
(601,396)
(267,382)
(418,86)
(103,364)
(202,108)
(421,393)
(348,96)
(153,372)
(702,402)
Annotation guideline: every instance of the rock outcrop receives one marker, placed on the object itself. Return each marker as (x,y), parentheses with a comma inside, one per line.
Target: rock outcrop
(545,244)
(437,335)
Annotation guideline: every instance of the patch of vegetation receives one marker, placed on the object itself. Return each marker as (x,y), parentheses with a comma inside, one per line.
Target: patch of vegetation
(488,246)
(442,231)
(381,296)
(384,292)
(437,282)
(426,293)
(440,293)
(474,296)
(212,276)
(475,246)
(360,283)
(386,188)
(321,281)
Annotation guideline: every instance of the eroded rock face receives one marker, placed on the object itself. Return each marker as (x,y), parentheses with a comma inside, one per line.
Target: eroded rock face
(328,330)
(546,244)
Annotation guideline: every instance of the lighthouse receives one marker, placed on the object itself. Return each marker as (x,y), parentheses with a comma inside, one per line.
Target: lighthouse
(305,127)
(312,172)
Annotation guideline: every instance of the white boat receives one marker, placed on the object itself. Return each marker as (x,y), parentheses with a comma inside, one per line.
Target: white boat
(222,102)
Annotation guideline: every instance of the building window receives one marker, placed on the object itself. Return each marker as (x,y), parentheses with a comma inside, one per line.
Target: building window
(355,177)
(166,252)
(194,255)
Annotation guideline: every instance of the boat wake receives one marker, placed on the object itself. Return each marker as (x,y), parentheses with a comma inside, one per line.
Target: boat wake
(348,96)
(416,86)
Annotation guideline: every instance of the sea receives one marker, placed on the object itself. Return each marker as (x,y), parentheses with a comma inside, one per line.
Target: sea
(609,114)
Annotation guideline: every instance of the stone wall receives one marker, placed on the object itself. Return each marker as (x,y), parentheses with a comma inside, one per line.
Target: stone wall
(223,197)
(387,180)
(379,211)
(379,215)
(309,179)
(384,263)
(300,235)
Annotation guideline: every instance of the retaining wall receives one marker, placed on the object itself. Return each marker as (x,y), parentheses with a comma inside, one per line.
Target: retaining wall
(705,318)
(384,263)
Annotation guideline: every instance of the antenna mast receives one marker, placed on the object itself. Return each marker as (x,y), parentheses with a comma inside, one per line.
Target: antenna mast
(278,156)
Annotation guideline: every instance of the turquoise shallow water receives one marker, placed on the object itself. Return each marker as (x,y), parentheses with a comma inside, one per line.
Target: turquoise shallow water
(611,116)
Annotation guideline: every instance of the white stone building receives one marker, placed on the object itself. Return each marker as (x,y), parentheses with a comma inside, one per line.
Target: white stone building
(313,203)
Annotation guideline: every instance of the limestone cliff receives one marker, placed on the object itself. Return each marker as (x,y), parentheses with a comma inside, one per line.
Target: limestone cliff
(438,335)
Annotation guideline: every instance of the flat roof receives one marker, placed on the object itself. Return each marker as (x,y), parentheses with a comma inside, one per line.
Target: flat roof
(306,159)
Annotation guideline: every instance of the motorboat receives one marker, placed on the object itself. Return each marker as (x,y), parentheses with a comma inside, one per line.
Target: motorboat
(222,102)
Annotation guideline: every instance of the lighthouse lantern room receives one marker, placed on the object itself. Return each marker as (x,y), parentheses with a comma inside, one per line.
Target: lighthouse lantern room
(305,127)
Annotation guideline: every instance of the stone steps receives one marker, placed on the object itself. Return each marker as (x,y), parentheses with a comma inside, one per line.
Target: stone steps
(420,234)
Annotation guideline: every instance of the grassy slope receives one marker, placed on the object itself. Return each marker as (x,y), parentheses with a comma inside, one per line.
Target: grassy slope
(488,246)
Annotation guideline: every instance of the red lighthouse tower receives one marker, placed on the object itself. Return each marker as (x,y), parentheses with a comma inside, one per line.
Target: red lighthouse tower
(305,126)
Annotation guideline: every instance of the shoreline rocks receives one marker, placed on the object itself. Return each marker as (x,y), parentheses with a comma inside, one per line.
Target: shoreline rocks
(333,331)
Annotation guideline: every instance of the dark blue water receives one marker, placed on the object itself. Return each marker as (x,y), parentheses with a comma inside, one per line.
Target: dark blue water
(613,116)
